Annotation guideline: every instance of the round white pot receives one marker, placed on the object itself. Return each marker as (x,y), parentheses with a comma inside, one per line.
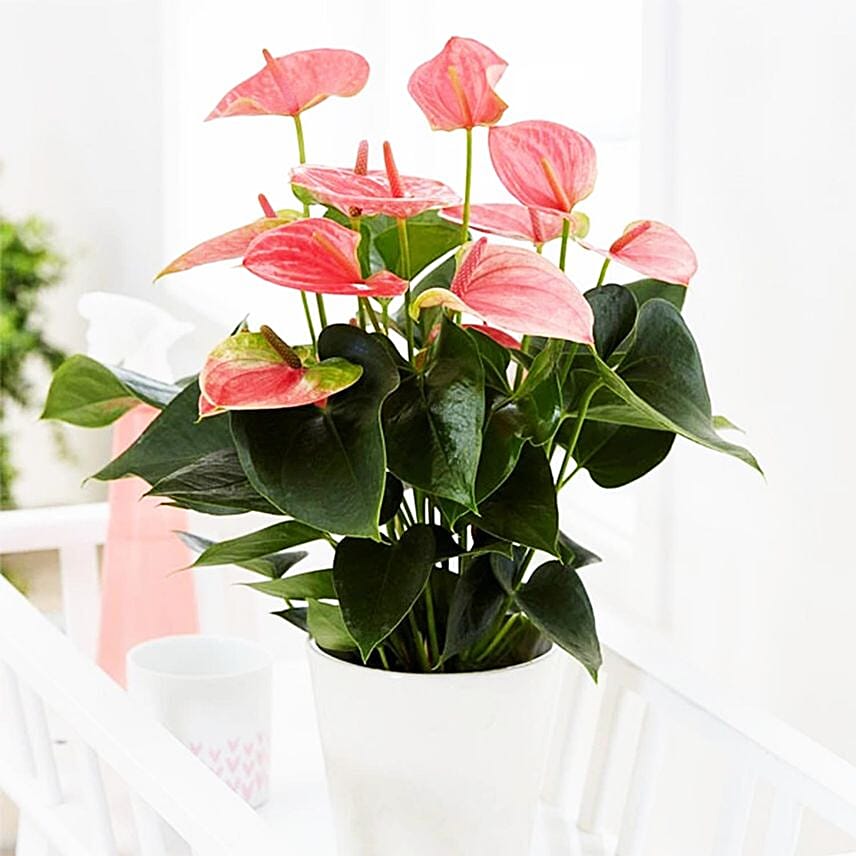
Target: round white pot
(434,765)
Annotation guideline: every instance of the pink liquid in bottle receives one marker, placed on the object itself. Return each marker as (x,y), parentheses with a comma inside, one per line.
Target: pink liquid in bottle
(142,598)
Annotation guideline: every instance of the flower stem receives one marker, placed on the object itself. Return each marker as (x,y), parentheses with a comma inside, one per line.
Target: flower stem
(366,302)
(602,276)
(301,156)
(578,427)
(433,642)
(404,245)
(468,180)
(382,656)
(419,642)
(495,642)
(566,234)
(308,315)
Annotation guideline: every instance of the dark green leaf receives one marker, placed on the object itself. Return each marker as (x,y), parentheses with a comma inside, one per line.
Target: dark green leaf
(648,289)
(661,380)
(214,479)
(273,566)
(327,627)
(297,616)
(393,494)
(523,509)
(575,555)
(614,310)
(495,359)
(476,604)
(313,585)
(326,465)
(174,440)
(257,545)
(86,393)
(509,570)
(377,584)
(556,602)
(433,421)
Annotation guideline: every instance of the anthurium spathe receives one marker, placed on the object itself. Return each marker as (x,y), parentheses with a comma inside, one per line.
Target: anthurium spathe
(317,255)
(290,84)
(516,289)
(543,164)
(455,88)
(232,244)
(357,192)
(516,221)
(653,249)
(258,371)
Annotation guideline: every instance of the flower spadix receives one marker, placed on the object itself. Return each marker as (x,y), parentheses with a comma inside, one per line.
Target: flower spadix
(258,371)
(516,289)
(290,84)
(317,255)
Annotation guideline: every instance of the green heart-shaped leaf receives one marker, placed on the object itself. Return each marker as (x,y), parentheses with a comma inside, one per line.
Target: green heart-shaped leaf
(86,393)
(325,465)
(273,566)
(326,626)
(433,421)
(378,584)
(614,310)
(310,586)
(556,602)
(174,440)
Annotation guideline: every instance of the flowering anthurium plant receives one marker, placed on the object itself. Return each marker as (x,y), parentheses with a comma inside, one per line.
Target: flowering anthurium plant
(427,440)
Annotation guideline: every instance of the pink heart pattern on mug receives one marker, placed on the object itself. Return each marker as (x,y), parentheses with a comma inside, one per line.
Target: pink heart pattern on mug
(243,764)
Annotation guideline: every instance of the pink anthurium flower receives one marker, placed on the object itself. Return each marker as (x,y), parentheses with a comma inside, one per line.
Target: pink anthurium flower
(543,165)
(516,221)
(373,192)
(290,84)
(455,88)
(653,249)
(317,255)
(231,244)
(258,371)
(514,288)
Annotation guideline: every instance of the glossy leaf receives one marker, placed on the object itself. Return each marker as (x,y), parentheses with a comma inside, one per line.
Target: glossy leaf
(433,421)
(326,626)
(614,310)
(648,289)
(273,566)
(556,602)
(378,583)
(326,466)
(256,545)
(173,441)
(523,508)
(428,238)
(476,603)
(86,393)
(215,479)
(661,379)
(574,555)
(310,586)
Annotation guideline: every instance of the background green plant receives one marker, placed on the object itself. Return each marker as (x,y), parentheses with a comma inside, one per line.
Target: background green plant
(28,266)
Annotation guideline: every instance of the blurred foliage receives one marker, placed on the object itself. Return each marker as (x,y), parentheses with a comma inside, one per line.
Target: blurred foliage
(28,265)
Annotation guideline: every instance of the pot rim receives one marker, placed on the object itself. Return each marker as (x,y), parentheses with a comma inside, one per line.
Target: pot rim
(315,650)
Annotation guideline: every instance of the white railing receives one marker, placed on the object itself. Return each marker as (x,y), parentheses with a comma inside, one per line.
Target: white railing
(51,690)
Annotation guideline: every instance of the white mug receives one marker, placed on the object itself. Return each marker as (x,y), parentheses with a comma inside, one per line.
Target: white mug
(214,694)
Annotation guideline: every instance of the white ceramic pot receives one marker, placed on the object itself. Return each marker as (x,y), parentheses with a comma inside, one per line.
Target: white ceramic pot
(214,694)
(434,765)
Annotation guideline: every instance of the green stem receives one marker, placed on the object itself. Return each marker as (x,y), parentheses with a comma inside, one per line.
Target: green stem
(372,314)
(468,180)
(602,276)
(578,427)
(383,657)
(497,640)
(405,263)
(566,234)
(419,642)
(308,315)
(433,642)
(322,312)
